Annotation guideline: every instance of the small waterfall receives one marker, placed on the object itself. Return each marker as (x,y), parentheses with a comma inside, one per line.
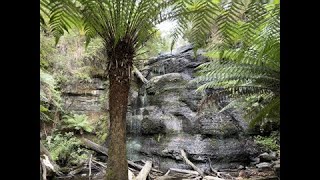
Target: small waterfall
(160,69)
(133,141)
(137,112)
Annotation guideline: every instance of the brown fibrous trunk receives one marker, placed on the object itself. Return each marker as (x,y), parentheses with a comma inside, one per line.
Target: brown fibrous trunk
(120,63)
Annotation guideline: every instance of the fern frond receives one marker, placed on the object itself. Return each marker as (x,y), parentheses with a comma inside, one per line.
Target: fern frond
(270,110)
(248,67)
(197,17)
(63,16)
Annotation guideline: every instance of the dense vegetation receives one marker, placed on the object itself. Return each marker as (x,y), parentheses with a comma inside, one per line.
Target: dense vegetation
(67,63)
(243,40)
(109,38)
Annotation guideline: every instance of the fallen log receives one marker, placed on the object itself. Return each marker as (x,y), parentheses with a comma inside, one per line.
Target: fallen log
(144,171)
(98,148)
(46,154)
(220,174)
(167,178)
(101,164)
(212,178)
(94,146)
(44,170)
(184,171)
(90,160)
(185,158)
(131,175)
(140,167)
(139,75)
(77,170)
(167,173)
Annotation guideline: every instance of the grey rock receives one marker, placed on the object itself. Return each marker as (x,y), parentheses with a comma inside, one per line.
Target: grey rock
(163,116)
(217,125)
(276,162)
(263,166)
(255,161)
(183,49)
(276,168)
(265,157)
(273,155)
(165,82)
(151,126)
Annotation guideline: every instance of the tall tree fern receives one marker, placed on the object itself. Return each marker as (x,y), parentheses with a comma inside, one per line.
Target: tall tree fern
(245,64)
(124,26)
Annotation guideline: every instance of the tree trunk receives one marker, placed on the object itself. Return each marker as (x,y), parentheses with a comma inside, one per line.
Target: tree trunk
(120,63)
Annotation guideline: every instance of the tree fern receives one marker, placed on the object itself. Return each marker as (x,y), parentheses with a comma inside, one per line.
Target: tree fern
(195,17)
(124,26)
(245,66)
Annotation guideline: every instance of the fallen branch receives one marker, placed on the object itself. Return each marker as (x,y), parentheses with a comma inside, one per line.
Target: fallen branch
(131,175)
(46,154)
(219,174)
(90,160)
(185,158)
(76,171)
(101,164)
(94,146)
(139,75)
(44,170)
(144,171)
(167,173)
(98,148)
(212,178)
(140,167)
(212,169)
(184,171)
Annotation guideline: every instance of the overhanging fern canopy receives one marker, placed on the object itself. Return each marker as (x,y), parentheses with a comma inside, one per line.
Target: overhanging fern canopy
(245,54)
(112,20)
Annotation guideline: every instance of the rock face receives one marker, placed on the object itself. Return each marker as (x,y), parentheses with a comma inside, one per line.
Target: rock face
(85,98)
(163,118)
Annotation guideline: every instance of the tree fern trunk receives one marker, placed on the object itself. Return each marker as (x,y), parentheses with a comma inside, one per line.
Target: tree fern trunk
(119,77)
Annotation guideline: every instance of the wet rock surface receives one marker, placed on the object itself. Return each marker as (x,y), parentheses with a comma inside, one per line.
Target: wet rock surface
(166,119)
(162,118)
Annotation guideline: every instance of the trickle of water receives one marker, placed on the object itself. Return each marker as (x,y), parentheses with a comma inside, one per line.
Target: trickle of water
(137,112)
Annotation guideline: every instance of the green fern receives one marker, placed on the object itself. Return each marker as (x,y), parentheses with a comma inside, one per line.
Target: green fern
(196,17)
(77,122)
(248,72)
(66,148)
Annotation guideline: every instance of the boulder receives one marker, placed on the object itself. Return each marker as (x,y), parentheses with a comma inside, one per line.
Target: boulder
(264,166)
(266,157)
(151,126)
(276,168)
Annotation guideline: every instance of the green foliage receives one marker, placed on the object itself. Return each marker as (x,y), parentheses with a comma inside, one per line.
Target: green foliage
(132,22)
(49,96)
(59,16)
(245,64)
(270,143)
(77,122)
(101,129)
(195,20)
(46,50)
(66,148)
(153,47)
(69,62)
